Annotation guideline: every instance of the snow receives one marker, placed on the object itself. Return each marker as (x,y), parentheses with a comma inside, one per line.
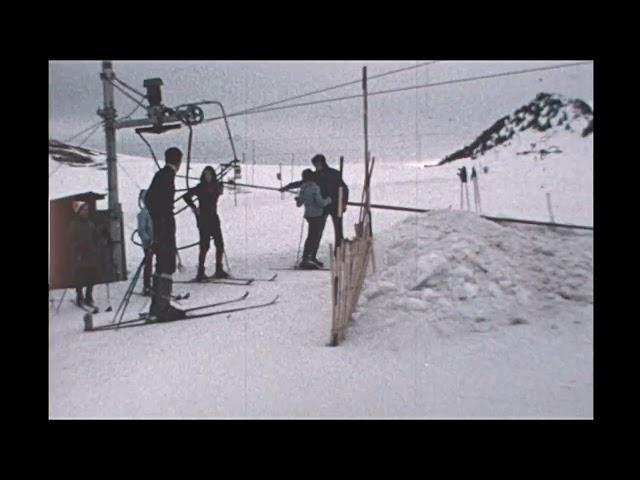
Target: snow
(463,318)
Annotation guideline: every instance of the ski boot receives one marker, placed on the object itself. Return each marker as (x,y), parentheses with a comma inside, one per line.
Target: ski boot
(79,299)
(307,264)
(201,276)
(161,307)
(220,273)
(317,262)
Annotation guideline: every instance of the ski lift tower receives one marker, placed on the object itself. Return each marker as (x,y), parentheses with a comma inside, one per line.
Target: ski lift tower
(159,119)
(116,231)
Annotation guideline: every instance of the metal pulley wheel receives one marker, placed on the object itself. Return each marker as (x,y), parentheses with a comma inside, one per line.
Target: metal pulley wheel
(190,114)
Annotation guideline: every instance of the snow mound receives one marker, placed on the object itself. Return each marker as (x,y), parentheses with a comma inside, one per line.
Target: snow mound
(457,265)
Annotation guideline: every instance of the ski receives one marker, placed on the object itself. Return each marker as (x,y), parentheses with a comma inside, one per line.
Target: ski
(231,281)
(323,269)
(217,304)
(145,320)
(270,279)
(218,281)
(145,315)
(86,308)
(177,298)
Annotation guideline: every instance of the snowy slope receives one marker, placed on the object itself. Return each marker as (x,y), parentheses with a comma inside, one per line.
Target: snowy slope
(546,114)
(416,348)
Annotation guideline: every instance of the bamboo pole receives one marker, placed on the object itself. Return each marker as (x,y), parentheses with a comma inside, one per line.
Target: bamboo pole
(334,292)
(292,162)
(351,262)
(548,195)
(355,273)
(342,285)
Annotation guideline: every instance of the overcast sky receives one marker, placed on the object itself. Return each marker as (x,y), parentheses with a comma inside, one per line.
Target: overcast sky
(446,117)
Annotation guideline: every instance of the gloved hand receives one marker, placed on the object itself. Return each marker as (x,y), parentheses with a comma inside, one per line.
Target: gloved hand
(282,189)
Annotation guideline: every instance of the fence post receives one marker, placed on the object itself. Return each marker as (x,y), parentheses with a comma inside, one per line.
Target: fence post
(548,194)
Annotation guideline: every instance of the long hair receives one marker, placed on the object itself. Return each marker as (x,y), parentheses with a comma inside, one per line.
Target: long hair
(213,174)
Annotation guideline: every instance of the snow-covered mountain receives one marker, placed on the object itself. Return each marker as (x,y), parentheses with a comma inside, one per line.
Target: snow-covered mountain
(546,115)
(75,156)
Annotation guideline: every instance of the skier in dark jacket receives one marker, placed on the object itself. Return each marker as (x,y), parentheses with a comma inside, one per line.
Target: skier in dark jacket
(329,180)
(84,239)
(314,205)
(208,191)
(159,201)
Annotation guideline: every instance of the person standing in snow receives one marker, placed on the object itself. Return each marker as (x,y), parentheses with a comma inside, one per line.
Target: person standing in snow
(159,201)
(314,206)
(208,192)
(83,239)
(462,174)
(145,232)
(476,190)
(330,182)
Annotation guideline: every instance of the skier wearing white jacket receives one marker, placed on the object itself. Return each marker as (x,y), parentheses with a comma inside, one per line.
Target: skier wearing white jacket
(314,204)
(145,232)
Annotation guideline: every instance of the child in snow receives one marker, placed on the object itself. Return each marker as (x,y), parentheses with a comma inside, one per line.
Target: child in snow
(145,232)
(314,205)
(208,192)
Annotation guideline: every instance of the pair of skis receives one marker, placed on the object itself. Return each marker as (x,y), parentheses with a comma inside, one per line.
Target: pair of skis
(230,281)
(145,319)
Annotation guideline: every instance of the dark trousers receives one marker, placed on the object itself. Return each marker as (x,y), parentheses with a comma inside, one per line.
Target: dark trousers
(88,291)
(211,228)
(164,239)
(337,226)
(148,267)
(314,235)
(85,276)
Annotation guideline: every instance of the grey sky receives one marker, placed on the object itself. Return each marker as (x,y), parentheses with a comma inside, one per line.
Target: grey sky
(445,116)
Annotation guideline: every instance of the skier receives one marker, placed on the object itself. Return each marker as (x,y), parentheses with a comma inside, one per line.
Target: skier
(330,181)
(462,174)
(159,201)
(83,239)
(314,205)
(476,190)
(208,191)
(145,232)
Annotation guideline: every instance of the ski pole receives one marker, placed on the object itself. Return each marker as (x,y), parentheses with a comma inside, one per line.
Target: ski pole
(224,254)
(61,299)
(180,267)
(129,294)
(129,288)
(300,241)
(108,298)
